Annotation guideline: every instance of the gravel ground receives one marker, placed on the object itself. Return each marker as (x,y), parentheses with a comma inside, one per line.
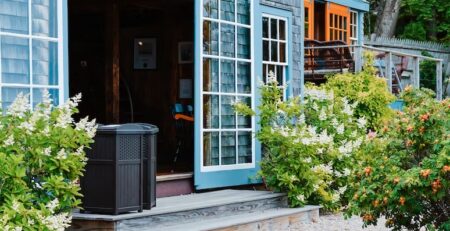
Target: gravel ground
(336,222)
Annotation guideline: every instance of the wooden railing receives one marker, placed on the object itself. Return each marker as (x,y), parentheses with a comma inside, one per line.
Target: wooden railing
(332,57)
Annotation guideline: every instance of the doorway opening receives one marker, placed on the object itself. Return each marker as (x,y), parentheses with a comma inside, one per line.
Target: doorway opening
(133,62)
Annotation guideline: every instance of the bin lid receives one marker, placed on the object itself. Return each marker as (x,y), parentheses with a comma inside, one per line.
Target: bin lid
(137,129)
(149,128)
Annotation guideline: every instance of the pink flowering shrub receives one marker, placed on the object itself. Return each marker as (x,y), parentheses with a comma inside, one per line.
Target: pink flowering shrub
(309,146)
(41,159)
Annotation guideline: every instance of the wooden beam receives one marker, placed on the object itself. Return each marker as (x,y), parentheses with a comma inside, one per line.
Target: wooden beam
(112,80)
(416,72)
(439,80)
(388,68)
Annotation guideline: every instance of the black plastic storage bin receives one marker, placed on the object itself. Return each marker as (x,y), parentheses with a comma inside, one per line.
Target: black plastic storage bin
(150,151)
(113,181)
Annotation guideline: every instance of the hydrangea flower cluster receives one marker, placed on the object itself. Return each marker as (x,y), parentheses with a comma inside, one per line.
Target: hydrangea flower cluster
(309,144)
(42,157)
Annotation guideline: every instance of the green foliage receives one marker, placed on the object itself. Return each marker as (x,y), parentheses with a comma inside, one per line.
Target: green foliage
(415,31)
(41,158)
(405,170)
(308,145)
(431,17)
(428,73)
(365,88)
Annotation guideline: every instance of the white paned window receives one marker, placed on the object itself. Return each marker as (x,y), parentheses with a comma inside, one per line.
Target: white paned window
(31,50)
(226,76)
(275,48)
(353,29)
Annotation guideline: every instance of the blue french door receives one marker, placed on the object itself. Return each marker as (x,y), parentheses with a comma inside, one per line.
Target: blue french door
(226,153)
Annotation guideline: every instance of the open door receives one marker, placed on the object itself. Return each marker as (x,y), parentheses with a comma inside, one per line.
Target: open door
(226,153)
(337,21)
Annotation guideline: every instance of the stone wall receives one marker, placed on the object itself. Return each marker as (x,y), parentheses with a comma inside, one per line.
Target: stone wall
(295,6)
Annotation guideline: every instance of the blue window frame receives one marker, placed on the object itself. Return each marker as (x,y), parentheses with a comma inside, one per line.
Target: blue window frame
(274,45)
(33,50)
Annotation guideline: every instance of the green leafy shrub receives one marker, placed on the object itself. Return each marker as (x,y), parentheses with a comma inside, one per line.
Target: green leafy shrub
(367,89)
(41,158)
(308,145)
(405,170)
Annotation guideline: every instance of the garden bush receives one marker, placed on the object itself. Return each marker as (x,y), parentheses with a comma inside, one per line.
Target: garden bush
(405,169)
(309,145)
(41,159)
(367,89)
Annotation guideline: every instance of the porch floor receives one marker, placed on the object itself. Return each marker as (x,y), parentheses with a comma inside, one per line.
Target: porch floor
(185,203)
(217,210)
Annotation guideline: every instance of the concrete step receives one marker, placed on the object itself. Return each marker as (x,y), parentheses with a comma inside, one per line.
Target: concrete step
(276,219)
(187,209)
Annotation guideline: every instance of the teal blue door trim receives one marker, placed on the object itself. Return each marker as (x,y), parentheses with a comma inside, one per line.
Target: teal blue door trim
(355,4)
(65,41)
(218,178)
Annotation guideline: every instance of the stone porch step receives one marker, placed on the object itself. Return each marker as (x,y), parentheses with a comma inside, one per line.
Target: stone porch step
(217,210)
(277,219)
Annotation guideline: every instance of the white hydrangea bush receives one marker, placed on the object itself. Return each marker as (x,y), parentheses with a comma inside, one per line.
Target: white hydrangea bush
(42,156)
(309,146)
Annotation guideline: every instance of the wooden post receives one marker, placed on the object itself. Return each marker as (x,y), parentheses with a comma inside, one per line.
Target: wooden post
(439,80)
(112,80)
(416,75)
(358,58)
(388,68)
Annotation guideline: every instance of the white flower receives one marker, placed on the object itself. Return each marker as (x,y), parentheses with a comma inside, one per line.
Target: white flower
(315,187)
(315,106)
(307,160)
(9,141)
(327,169)
(52,205)
(357,143)
(301,198)
(306,141)
(18,228)
(19,106)
(27,126)
(302,119)
(324,138)
(347,107)
(79,150)
(61,154)
(342,190)
(58,222)
(322,115)
(353,134)
(320,151)
(271,78)
(334,122)
(64,119)
(335,197)
(346,172)
(47,151)
(340,129)
(312,130)
(318,94)
(30,222)
(362,122)
(38,186)
(15,206)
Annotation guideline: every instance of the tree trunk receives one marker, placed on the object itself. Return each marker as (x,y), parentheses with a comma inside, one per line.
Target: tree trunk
(387,18)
